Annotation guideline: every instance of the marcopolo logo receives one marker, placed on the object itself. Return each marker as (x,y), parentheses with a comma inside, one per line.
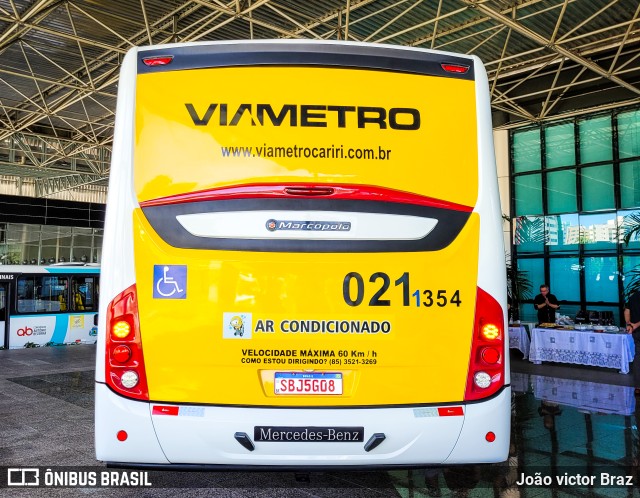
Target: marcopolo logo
(312,226)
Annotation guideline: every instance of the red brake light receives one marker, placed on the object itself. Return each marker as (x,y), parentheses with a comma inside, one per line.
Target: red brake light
(157,61)
(310,191)
(455,68)
(121,353)
(124,358)
(490,355)
(486,364)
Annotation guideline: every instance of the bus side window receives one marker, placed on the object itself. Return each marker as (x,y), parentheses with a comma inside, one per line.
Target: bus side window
(26,299)
(82,293)
(63,302)
(78,301)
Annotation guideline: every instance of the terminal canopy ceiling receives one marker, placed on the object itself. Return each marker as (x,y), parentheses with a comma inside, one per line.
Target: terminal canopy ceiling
(59,61)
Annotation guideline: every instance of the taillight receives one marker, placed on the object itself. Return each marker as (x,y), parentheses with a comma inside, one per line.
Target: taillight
(121,353)
(486,364)
(455,68)
(310,191)
(125,372)
(157,61)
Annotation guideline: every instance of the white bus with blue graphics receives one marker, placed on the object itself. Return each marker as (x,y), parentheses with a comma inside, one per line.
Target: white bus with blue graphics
(48,305)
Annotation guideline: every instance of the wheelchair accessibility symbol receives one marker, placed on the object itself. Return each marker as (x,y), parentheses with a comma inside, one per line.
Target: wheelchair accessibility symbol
(170,281)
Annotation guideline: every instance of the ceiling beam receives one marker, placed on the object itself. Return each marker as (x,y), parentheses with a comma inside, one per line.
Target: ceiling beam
(549,44)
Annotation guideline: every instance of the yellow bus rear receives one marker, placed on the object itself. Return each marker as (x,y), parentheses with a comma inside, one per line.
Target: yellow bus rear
(306,234)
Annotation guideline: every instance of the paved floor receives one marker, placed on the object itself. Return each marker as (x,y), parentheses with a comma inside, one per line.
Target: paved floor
(567,421)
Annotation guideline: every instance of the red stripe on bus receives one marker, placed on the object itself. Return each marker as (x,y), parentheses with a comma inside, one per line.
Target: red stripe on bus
(165,410)
(450,411)
(292,190)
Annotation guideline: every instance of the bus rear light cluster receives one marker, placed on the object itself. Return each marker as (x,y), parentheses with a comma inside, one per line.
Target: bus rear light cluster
(486,364)
(125,372)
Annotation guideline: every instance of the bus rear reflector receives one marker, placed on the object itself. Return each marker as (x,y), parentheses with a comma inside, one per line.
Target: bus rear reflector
(450,411)
(486,363)
(125,375)
(165,410)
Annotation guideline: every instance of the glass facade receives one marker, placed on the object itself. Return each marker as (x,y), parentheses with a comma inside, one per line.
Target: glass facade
(576,184)
(47,244)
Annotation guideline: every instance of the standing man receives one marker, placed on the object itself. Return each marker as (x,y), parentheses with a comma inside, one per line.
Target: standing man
(547,304)
(632,319)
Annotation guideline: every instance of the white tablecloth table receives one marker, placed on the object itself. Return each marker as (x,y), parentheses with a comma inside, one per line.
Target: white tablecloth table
(582,347)
(519,339)
(586,396)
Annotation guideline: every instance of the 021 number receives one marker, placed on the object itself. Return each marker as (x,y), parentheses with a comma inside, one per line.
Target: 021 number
(353,290)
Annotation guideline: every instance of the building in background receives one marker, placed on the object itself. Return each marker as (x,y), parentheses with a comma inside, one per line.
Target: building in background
(42,231)
(573,184)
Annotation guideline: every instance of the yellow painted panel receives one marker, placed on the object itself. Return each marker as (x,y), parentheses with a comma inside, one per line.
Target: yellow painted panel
(302,124)
(413,350)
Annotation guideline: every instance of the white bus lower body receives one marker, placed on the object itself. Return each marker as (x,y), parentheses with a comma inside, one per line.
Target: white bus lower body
(205,435)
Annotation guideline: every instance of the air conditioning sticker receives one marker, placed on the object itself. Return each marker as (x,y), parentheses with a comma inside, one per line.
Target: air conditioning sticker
(236,325)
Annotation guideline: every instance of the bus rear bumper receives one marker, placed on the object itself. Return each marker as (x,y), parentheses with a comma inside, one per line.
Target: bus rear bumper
(186,435)
(481,418)
(113,414)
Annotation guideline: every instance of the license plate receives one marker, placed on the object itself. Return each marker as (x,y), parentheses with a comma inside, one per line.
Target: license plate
(308,434)
(301,383)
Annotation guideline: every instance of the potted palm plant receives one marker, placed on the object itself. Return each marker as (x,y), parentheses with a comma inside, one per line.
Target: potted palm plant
(630,230)
(518,289)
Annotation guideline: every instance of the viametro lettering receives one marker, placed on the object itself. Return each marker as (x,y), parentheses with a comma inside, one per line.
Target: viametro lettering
(312,116)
